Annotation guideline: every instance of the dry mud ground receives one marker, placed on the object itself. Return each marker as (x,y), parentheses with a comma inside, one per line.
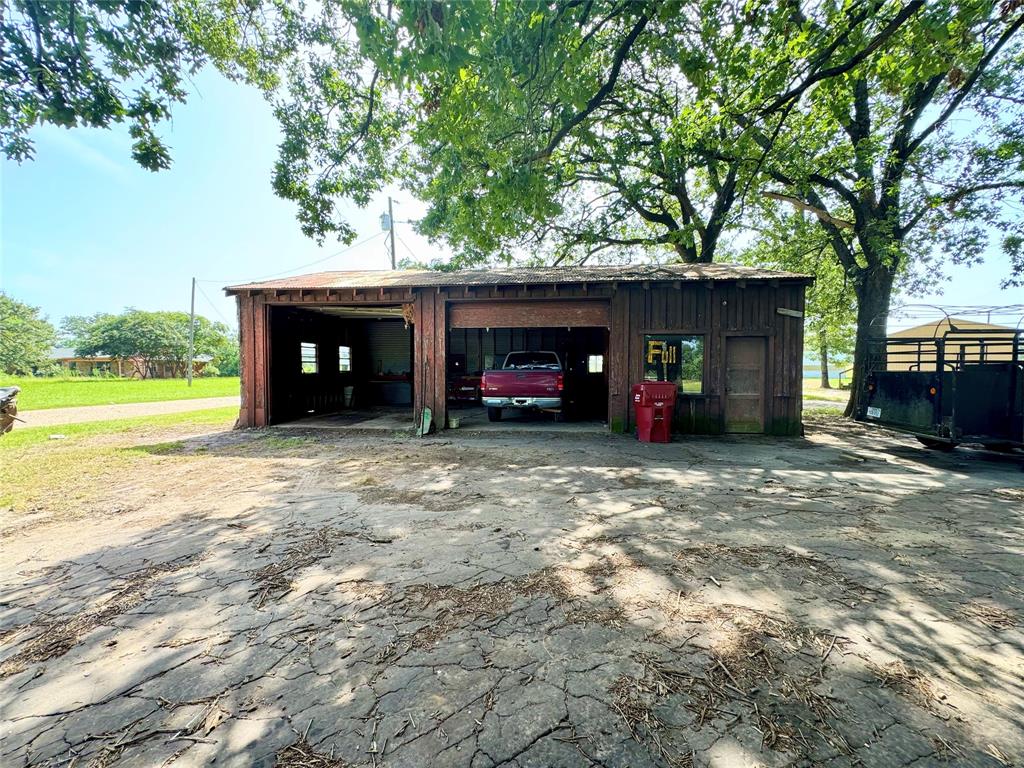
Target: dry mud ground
(246,598)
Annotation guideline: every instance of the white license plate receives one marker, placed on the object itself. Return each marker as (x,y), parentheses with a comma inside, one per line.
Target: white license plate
(874,413)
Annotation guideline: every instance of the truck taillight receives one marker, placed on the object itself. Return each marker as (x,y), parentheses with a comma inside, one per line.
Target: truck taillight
(560,382)
(483,382)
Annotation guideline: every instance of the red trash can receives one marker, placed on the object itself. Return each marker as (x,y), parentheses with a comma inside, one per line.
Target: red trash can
(654,403)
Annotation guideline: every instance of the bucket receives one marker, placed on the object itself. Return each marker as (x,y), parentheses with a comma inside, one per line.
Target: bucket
(453,422)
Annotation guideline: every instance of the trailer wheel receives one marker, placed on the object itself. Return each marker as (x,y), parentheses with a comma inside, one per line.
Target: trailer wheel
(494,414)
(937,445)
(1001,447)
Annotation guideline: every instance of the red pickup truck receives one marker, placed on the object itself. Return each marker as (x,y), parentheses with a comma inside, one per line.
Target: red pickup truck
(526,380)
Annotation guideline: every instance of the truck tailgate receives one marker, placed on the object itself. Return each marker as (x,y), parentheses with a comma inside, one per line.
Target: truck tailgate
(520,384)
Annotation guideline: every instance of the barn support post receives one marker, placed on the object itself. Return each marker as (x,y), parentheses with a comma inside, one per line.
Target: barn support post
(429,352)
(440,407)
(253,367)
(618,364)
(261,367)
(246,415)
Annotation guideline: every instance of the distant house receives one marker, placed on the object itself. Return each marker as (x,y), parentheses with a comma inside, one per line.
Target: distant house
(134,368)
(964,341)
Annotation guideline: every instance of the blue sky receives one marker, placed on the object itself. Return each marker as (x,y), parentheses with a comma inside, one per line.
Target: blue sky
(84,230)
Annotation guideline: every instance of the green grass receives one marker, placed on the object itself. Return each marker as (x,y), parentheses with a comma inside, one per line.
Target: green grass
(813,390)
(41,393)
(38,471)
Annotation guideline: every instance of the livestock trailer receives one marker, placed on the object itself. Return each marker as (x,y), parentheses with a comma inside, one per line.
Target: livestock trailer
(965,386)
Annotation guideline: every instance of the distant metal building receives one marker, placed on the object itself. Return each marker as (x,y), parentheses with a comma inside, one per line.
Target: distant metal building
(975,342)
(731,337)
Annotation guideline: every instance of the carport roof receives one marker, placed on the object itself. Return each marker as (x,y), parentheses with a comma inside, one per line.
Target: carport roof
(424,278)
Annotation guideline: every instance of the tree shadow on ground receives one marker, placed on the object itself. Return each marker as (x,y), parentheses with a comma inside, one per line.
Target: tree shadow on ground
(838,600)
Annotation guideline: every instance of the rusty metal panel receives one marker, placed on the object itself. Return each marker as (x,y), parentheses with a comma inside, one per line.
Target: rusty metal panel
(744,384)
(529,314)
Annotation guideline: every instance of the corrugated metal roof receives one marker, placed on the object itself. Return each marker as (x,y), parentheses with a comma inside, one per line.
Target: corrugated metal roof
(937,328)
(424,278)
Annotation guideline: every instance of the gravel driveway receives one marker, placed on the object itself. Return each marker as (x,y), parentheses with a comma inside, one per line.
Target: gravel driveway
(317,600)
(55,416)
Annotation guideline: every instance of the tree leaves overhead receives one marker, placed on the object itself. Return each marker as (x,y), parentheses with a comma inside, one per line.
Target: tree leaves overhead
(95,63)
(576,130)
(566,128)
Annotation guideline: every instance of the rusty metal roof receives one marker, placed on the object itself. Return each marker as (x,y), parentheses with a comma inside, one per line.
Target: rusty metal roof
(423,278)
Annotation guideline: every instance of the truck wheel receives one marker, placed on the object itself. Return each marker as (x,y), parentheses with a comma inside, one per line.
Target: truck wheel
(494,414)
(937,445)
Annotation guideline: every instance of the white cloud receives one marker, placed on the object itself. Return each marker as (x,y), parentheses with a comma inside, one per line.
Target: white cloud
(86,154)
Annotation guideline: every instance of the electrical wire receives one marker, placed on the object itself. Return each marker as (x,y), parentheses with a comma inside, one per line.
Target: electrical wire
(214,307)
(300,266)
(905,316)
(406,246)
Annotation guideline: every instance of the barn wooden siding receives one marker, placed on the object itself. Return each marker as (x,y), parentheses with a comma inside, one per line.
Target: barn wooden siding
(715,309)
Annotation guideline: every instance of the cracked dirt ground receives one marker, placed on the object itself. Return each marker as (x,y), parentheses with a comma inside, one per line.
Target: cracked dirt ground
(253,599)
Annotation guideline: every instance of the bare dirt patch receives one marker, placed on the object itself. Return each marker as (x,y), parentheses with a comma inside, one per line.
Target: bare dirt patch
(706,560)
(357,601)
(51,638)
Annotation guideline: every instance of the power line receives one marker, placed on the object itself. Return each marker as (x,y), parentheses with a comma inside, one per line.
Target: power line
(406,245)
(214,306)
(911,314)
(300,266)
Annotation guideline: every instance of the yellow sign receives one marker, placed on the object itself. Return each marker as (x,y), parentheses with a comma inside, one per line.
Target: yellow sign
(661,352)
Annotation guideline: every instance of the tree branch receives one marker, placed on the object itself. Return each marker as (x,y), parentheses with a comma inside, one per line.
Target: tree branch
(821,213)
(598,98)
(965,89)
(823,74)
(954,197)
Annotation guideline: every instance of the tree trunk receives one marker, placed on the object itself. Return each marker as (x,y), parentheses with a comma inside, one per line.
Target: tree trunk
(823,354)
(873,286)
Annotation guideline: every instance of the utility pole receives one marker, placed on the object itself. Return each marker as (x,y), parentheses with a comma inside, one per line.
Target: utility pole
(192,333)
(391,219)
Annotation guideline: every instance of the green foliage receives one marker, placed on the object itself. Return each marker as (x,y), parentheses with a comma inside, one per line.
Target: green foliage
(100,62)
(564,130)
(26,338)
(226,360)
(795,242)
(574,130)
(144,338)
(916,154)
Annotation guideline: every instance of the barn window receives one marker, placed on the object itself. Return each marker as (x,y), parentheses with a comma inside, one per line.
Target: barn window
(675,358)
(344,359)
(595,363)
(309,361)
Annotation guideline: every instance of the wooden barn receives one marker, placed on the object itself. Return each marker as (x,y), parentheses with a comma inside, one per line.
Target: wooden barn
(401,341)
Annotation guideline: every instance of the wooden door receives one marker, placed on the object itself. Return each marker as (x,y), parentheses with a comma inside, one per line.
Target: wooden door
(744,383)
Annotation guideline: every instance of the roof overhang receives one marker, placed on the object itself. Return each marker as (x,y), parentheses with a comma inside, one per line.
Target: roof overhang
(411,279)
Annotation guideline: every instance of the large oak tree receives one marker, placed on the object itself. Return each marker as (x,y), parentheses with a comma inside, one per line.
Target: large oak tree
(581,126)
